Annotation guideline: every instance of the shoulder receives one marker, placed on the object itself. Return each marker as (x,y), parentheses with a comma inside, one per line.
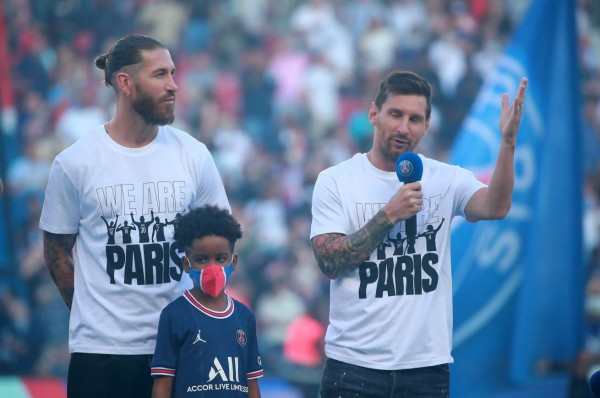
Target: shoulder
(433,163)
(175,306)
(86,143)
(81,151)
(345,167)
(242,309)
(173,134)
(440,174)
(441,167)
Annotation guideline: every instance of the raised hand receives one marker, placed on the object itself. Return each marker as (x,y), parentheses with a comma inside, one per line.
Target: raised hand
(510,115)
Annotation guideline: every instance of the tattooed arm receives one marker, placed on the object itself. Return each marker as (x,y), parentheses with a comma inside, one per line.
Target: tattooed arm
(58,253)
(337,253)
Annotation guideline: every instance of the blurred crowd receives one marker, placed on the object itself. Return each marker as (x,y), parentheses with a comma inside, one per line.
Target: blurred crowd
(278,90)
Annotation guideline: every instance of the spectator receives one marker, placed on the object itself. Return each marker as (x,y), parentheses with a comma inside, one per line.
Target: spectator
(303,351)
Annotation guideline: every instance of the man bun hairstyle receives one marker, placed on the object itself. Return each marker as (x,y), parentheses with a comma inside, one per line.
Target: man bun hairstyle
(125,52)
(207,220)
(404,82)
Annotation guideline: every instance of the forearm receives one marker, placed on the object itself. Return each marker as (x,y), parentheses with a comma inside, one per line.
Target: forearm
(163,387)
(500,188)
(59,260)
(337,254)
(497,199)
(253,389)
(494,202)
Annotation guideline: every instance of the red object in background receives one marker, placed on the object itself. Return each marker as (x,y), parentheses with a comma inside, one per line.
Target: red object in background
(478,9)
(45,387)
(303,340)
(227,90)
(6,99)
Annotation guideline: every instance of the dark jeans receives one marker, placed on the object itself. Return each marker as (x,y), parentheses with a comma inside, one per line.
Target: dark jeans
(341,380)
(109,376)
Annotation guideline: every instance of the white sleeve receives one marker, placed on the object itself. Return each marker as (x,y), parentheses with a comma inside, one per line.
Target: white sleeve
(466,187)
(210,189)
(327,209)
(61,212)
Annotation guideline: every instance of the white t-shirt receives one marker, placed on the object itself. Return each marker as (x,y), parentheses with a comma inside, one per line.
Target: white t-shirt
(121,202)
(395,310)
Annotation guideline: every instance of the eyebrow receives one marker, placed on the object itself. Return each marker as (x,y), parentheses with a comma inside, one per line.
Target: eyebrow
(163,69)
(224,254)
(398,110)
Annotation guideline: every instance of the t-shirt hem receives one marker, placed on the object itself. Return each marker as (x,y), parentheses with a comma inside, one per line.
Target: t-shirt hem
(111,350)
(322,231)
(399,366)
(57,230)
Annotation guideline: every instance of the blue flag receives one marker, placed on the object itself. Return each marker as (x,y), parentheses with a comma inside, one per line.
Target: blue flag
(518,283)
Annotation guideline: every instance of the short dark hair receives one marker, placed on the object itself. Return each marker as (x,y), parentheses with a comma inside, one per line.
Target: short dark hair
(206,221)
(125,52)
(404,82)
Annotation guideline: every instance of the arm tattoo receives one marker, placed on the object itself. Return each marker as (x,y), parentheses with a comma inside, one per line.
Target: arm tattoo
(59,260)
(336,253)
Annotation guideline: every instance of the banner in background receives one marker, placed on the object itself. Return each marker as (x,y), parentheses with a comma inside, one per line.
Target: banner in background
(518,283)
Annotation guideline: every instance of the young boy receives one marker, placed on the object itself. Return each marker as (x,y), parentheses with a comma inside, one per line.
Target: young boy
(206,343)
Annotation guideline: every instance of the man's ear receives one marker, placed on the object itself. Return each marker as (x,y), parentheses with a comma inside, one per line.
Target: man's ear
(235,261)
(125,82)
(373,111)
(186,264)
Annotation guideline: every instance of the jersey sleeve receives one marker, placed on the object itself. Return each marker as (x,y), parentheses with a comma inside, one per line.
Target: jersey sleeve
(164,361)
(255,368)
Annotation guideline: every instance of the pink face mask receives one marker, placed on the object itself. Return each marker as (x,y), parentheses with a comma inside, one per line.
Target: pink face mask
(212,279)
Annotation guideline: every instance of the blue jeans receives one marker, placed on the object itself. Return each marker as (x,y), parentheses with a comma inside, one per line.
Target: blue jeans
(342,380)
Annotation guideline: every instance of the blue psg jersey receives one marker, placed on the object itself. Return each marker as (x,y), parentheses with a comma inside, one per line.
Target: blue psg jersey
(209,353)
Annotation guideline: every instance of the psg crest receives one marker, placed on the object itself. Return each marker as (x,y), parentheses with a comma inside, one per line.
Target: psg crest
(404,168)
(240,336)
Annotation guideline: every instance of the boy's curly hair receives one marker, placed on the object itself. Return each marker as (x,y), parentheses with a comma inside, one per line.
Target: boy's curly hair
(206,221)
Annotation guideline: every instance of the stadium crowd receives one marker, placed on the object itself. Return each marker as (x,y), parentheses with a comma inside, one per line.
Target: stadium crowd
(278,90)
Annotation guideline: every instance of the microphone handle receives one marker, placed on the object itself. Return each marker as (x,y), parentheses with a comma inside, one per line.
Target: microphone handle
(411,226)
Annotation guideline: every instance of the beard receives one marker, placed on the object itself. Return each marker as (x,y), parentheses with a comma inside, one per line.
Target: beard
(149,109)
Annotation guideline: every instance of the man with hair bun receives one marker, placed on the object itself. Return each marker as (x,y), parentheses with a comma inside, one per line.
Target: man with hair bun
(133,167)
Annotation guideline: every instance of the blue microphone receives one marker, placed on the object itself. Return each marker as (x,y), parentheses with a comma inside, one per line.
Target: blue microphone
(595,383)
(409,168)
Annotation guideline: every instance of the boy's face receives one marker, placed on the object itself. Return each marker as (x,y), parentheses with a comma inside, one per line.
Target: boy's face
(209,250)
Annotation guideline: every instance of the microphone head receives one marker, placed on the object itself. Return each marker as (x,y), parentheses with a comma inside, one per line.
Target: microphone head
(409,167)
(595,383)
